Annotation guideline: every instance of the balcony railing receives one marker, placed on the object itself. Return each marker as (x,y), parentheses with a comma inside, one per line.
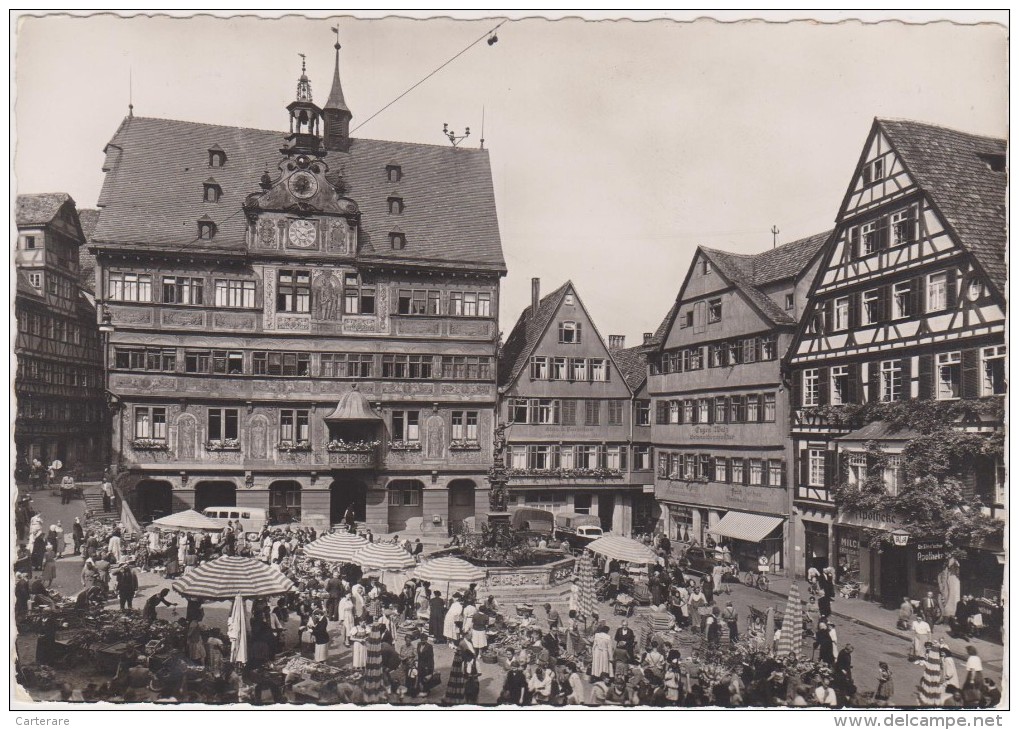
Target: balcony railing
(578,473)
(349,459)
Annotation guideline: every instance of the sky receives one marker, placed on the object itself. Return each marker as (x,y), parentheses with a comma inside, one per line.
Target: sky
(617,147)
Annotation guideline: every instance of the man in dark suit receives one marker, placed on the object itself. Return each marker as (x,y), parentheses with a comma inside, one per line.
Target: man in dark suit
(625,634)
(334,587)
(929,608)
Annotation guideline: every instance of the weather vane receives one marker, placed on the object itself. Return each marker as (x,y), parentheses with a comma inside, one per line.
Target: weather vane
(452,136)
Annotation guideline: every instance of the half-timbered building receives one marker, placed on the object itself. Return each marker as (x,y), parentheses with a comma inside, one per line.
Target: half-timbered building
(908,304)
(577,440)
(59,379)
(303,320)
(720,429)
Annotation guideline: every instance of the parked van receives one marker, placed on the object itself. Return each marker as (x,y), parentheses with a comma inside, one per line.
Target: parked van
(252,519)
(577,529)
(529,519)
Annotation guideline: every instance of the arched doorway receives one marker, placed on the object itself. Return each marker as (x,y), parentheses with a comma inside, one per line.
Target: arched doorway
(461,503)
(346,492)
(285,499)
(405,497)
(215,494)
(153,499)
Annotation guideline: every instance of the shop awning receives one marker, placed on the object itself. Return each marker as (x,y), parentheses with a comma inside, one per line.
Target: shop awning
(745,526)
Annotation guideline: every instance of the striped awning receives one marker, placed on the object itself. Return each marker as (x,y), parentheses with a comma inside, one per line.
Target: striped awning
(187,520)
(227,577)
(336,547)
(454,571)
(628,550)
(383,556)
(745,526)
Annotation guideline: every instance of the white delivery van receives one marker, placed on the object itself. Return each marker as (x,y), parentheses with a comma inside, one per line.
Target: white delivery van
(252,519)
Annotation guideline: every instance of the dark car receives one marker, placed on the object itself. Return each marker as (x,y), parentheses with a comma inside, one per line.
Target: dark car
(700,560)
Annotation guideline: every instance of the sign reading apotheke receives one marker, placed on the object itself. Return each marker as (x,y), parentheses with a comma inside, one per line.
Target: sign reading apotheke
(930,551)
(769,500)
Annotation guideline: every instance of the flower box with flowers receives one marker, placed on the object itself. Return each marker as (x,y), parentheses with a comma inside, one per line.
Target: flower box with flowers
(405,446)
(223,445)
(464,445)
(291,447)
(578,473)
(352,447)
(149,445)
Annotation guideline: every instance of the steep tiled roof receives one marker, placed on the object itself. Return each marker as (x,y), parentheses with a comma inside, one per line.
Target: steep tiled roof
(526,333)
(632,362)
(152,194)
(25,287)
(39,209)
(89,217)
(952,168)
(663,329)
(748,272)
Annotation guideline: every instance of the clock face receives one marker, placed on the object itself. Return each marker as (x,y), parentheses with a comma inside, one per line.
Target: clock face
(302,185)
(302,233)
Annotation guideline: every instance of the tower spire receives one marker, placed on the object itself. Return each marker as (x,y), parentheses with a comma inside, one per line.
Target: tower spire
(303,84)
(336,100)
(336,114)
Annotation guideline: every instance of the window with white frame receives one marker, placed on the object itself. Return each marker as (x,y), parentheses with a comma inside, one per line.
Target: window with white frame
(949,371)
(720,409)
(871,311)
(295,425)
(538,457)
(993,369)
(569,332)
(893,474)
(223,424)
(587,457)
(811,387)
(872,236)
(560,371)
(673,411)
(689,465)
(840,311)
(182,290)
(737,471)
(641,458)
(578,369)
(688,411)
(903,226)
(714,310)
(643,412)
(612,458)
(703,410)
(902,300)
(465,426)
(775,472)
(857,466)
(566,460)
(35,279)
(769,407)
(937,291)
(753,408)
(539,368)
(890,380)
(544,411)
(517,457)
(790,301)
(130,287)
(599,370)
(404,497)
(150,423)
(769,347)
(719,469)
(839,379)
(756,471)
(235,293)
(406,426)
(815,460)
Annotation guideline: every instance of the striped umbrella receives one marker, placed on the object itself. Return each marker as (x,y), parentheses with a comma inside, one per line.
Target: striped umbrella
(383,556)
(587,599)
(229,576)
(628,550)
(336,547)
(454,572)
(790,640)
(929,692)
(373,687)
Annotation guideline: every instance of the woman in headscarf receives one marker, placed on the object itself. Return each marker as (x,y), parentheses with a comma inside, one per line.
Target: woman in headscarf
(601,653)
(359,653)
(454,615)
(49,566)
(421,598)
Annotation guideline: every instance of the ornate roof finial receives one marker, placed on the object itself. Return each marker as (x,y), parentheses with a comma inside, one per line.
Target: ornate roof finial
(303,84)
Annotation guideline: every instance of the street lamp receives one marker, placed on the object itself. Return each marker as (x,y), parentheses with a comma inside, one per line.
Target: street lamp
(900,538)
(106,329)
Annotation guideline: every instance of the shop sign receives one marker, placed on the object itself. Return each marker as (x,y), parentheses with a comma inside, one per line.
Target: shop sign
(930,552)
(848,541)
(649,489)
(711,433)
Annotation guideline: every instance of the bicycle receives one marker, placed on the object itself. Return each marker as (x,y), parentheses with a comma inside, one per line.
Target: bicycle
(756,580)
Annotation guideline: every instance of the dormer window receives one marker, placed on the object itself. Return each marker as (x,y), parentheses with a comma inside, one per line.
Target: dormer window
(395,204)
(569,333)
(206,228)
(397,240)
(996,163)
(217,157)
(394,173)
(212,192)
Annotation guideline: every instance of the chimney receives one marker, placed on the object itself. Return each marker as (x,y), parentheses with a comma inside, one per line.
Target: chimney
(617,342)
(535,294)
(647,337)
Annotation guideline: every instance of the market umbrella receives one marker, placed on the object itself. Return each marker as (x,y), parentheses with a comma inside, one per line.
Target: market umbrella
(769,629)
(790,641)
(451,571)
(237,631)
(187,520)
(336,547)
(229,576)
(392,560)
(374,690)
(929,692)
(628,550)
(587,599)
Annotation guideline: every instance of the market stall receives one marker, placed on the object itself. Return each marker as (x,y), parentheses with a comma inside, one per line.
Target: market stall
(454,573)
(186,521)
(336,547)
(227,577)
